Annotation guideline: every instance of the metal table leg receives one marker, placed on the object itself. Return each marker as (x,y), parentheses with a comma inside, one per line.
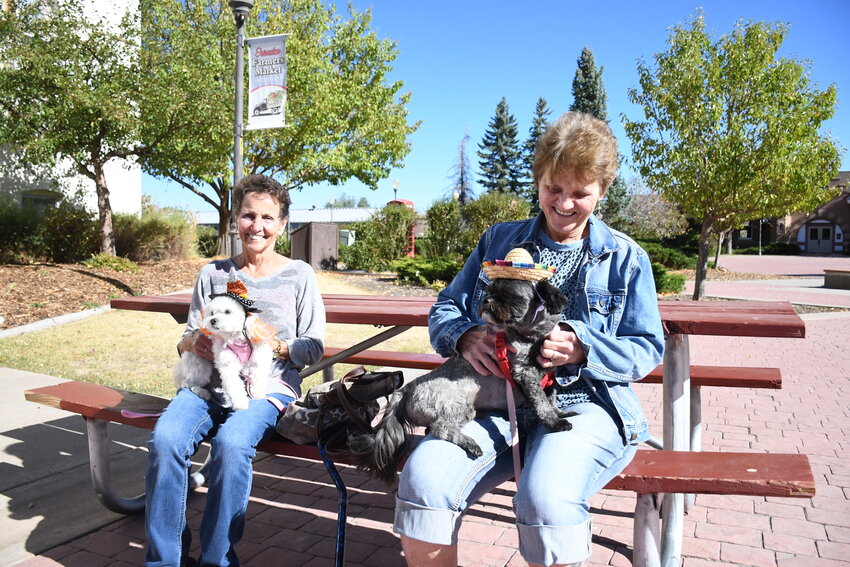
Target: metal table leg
(676,410)
(646,538)
(352,350)
(696,433)
(98,437)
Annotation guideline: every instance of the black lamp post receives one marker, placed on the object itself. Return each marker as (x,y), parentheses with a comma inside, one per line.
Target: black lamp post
(240,14)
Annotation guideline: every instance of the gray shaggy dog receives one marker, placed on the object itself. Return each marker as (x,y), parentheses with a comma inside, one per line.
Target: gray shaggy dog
(448,397)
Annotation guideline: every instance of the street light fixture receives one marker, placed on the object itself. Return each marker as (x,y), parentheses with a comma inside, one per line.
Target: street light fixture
(240,14)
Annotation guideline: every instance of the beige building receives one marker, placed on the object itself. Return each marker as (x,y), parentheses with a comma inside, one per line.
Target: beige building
(822,231)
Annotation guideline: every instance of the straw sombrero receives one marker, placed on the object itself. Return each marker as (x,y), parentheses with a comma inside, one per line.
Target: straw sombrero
(517,265)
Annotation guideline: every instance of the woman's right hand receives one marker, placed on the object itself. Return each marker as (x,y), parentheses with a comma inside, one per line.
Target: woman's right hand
(197,343)
(478,347)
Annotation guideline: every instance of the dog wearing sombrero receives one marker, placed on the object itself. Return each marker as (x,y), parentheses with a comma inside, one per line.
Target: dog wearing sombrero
(522,304)
(241,353)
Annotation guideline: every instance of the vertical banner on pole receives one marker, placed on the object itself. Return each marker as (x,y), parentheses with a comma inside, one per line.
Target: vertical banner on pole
(266,82)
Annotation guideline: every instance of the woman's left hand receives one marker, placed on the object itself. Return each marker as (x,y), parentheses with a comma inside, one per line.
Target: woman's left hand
(560,347)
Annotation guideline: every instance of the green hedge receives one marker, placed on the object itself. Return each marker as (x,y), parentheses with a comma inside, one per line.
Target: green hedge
(669,257)
(66,233)
(381,240)
(775,248)
(666,282)
(428,272)
(161,233)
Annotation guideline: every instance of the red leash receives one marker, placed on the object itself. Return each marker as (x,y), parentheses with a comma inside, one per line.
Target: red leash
(510,384)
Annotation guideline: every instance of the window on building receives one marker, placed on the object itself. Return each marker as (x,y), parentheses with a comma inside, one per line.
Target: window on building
(40,199)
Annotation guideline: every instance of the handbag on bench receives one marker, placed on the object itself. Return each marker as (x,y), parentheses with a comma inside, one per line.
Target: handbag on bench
(334,410)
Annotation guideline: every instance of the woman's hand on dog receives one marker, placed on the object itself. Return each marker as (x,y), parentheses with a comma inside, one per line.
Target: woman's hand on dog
(560,347)
(197,343)
(478,347)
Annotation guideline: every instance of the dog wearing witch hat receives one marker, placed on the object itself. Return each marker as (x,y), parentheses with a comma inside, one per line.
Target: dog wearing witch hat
(241,353)
(519,302)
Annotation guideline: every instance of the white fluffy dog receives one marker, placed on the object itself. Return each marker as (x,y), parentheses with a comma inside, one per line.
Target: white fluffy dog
(235,356)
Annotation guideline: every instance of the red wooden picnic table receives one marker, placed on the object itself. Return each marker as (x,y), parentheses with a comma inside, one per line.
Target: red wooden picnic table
(680,319)
(720,318)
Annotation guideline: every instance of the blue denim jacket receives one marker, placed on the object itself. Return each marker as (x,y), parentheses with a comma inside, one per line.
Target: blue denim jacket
(619,325)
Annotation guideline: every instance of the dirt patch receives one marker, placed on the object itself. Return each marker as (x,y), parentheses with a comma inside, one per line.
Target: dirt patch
(34,292)
(39,291)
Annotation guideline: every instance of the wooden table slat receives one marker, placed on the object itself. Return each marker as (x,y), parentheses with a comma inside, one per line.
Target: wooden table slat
(719,318)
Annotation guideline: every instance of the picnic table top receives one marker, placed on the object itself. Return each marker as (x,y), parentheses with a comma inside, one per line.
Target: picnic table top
(720,318)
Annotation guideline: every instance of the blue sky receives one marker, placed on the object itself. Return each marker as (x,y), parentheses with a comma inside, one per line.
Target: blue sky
(458,58)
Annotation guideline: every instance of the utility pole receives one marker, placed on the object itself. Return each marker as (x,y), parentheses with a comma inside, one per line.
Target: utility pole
(240,14)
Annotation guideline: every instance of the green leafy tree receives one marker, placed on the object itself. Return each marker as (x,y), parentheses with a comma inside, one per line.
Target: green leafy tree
(345,118)
(538,125)
(730,131)
(500,158)
(67,93)
(589,94)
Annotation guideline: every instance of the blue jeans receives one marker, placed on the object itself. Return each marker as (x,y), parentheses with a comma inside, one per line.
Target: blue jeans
(561,472)
(187,421)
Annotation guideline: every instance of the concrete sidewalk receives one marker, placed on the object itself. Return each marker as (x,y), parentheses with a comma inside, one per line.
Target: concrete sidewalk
(51,516)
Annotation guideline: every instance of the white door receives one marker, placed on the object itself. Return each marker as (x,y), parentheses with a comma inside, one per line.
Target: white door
(820,239)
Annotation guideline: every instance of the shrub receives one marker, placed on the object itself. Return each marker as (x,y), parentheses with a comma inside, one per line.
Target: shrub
(444,229)
(66,233)
(70,232)
(380,240)
(20,235)
(428,272)
(669,257)
(283,245)
(109,262)
(775,248)
(489,209)
(206,240)
(162,233)
(666,282)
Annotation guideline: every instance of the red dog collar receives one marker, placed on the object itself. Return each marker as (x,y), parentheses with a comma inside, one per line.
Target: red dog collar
(505,364)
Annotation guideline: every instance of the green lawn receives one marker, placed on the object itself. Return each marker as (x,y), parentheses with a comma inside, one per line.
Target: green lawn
(136,351)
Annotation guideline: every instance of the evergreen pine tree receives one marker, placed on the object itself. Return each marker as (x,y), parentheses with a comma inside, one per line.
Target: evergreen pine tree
(501,159)
(589,96)
(588,90)
(462,178)
(538,126)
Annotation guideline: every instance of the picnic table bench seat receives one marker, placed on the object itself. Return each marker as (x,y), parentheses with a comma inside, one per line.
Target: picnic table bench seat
(728,376)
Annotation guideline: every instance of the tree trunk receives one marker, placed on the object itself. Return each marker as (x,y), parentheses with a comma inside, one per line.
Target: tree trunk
(104,212)
(719,246)
(702,259)
(223,232)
